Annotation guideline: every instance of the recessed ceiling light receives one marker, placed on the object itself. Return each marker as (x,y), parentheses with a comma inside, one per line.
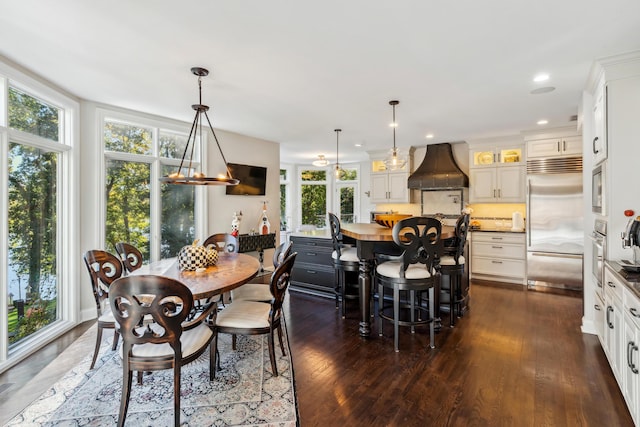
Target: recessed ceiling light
(429,136)
(545,89)
(357,144)
(543,122)
(541,78)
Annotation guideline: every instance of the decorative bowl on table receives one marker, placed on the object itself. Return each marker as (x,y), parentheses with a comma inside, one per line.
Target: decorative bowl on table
(389,220)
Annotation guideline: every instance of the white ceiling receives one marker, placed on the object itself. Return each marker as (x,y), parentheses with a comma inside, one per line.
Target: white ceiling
(293,71)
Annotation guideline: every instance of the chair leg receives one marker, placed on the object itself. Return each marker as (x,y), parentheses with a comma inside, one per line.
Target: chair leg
(412,305)
(452,299)
(212,361)
(272,354)
(280,339)
(116,336)
(97,348)
(176,393)
(396,316)
(214,354)
(432,314)
(234,341)
(126,393)
(336,288)
(343,285)
(380,307)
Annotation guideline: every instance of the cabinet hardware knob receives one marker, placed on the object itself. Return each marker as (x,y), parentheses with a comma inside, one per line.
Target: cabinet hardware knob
(611,284)
(634,312)
(597,307)
(496,262)
(595,151)
(496,247)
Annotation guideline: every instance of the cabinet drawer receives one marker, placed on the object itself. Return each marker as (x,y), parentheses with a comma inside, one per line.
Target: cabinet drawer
(313,275)
(516,238)
(498,250)
(632,305)
(313,255)
(612,285)
(494,267)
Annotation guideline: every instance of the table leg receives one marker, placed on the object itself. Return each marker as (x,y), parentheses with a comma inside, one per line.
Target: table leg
(364,280)
(261,259)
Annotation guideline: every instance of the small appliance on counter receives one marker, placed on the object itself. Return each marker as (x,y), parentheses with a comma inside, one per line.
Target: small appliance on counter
(631,239)
(517,222)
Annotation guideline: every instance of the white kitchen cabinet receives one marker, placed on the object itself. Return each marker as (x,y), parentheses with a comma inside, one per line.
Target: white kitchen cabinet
(563,146)
(497,185)
(599,141)
(389,186)
(493,156)
(631,367)
(599,324)
(613,331)
(498,256)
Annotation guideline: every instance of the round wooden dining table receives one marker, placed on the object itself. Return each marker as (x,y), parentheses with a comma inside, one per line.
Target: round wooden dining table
(231,271)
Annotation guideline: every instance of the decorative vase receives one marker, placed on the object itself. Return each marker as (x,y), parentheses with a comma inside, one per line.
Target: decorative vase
(192,257)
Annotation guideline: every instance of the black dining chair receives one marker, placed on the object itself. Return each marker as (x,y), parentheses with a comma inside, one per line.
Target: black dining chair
(104,268)
(413,272)
(452,269)
(152,314)
(257,318)
(258,291)
(345,259)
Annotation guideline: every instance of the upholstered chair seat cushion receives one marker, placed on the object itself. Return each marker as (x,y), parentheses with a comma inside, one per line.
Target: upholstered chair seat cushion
(392,269)
(450,260)
(192,341)
(252,292)
(349,254)
(244,314)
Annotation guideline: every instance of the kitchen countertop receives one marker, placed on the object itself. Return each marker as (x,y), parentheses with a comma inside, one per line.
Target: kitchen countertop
(320,234)
(631,280)
(497,230)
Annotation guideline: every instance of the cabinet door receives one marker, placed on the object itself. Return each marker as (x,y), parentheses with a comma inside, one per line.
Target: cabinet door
(614,334)
(631,365)
(544,148)
(511,184)
(571,145)
(379,187)
(483,158)
(482,185)
(397,187)
(599,143)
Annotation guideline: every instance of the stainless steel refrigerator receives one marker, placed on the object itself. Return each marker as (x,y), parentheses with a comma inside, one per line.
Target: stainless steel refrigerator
(555,229)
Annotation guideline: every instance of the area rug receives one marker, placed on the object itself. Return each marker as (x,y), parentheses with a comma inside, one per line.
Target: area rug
(244,393)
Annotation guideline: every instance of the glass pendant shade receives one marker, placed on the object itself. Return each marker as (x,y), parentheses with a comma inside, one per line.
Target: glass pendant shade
(394,160)
(182,175)
(322,161)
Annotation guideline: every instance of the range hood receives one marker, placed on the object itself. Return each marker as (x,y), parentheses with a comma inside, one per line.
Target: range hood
(438,170)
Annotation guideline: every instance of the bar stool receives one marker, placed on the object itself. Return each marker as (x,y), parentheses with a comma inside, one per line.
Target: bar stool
(452,267)
(345,258)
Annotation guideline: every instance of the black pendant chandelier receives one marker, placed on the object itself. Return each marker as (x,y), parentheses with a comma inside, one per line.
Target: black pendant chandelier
(198,178)
(338,169)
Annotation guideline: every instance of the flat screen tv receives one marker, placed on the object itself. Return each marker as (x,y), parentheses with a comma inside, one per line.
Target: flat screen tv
(253,180)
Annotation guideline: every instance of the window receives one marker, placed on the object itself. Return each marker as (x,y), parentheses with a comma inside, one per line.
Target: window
(345,203)
(313,197)
(285,217)
(157,218)
(36,191)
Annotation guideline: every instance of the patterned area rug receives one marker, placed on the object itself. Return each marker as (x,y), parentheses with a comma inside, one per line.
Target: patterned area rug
(244,393)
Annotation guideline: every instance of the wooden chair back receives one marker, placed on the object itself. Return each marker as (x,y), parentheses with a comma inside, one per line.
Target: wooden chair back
(420,239)
(281,253)
(104,268)
(130,255)
(278,285)
(223,242)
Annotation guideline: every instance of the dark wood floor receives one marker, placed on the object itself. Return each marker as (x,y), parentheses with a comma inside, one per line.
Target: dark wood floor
(517,358)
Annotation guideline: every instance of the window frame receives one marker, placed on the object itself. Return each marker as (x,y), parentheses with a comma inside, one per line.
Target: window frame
(68,235)
(158,124)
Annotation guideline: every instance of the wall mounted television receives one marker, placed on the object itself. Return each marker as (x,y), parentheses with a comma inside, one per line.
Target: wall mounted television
(253,180)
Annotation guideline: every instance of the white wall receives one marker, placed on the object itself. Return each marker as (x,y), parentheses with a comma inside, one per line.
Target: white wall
(248,151)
